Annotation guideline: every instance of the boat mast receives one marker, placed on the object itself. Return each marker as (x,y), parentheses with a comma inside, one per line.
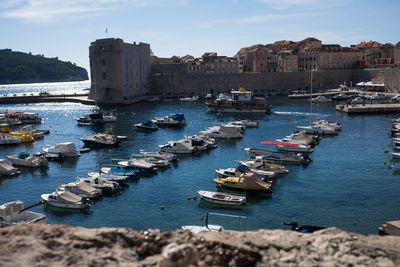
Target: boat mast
(311,97)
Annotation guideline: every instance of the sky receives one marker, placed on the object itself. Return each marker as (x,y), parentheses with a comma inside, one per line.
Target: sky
(65,28)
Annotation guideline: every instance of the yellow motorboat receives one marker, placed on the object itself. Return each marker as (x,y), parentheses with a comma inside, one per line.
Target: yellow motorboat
(25,135)
(247,181)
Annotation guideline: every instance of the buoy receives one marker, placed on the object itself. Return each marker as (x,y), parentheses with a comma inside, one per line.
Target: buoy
(201,218)
(162,208)
(194,197)
(384,162)
(188,198)
(386,151)
(389,167)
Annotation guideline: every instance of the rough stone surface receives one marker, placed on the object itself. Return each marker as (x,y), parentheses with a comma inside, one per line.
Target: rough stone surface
(59,245)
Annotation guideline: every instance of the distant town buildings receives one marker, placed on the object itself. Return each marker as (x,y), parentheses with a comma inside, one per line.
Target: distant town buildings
(290,56)
(119,71)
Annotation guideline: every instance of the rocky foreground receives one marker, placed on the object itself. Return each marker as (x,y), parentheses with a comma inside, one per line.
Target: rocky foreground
(59,245)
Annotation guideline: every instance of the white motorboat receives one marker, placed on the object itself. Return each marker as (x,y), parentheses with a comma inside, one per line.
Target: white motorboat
(103,174)
(7,169)
(254,152)
(245,123)
(222,198)
(283,158)
(23,159)
(106,186)
(317,129)
(66,199)
(5,139)
(160,155)
(158,161)
(63,150)
(320,99)
(189,99)
(197,143)
(395,155)
(177,147)
(211,142)
(138,164)
(300,148)
(172,120)
(81,189)
(13,213)
(236,172)
(223,131)
(334,125)
(101,140)
(259,164)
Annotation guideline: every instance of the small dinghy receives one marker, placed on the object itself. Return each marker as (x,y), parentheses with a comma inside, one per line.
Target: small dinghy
(222,198)
(24,160)
(146,126)
(66,199)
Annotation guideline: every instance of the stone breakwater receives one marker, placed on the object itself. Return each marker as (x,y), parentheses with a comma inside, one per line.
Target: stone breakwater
(59,245)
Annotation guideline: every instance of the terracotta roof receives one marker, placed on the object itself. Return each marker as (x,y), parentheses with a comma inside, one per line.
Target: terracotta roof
(369,44)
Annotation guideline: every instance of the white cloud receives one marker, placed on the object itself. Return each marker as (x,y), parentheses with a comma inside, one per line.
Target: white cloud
(308,4)
(49,10)
(246,20)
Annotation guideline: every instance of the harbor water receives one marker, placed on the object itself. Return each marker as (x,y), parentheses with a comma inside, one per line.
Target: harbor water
(347,185)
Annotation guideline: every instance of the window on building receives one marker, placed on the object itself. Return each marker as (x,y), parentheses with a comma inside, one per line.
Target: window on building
(104,76)
(103,62)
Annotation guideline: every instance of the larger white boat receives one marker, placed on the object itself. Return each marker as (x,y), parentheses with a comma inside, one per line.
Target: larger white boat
(240,101)
(64,150)
(138,164)
(259,164)
(100,140)
(24,160)
(13,213)
(223,131)
(177,147)
(66,199)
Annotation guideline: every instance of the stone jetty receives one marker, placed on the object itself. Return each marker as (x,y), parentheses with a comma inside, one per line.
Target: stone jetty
(368,108)
(60,245)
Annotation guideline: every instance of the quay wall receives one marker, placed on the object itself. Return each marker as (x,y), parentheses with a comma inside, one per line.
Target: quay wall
(176,84)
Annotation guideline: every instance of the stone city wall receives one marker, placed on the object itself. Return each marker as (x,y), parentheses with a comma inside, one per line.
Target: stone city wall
(175,84)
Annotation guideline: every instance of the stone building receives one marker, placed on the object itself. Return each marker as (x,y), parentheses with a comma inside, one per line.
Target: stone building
(396,55)
(287,61)
(119,71)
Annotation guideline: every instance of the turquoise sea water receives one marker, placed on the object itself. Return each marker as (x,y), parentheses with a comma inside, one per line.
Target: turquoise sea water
(346,186)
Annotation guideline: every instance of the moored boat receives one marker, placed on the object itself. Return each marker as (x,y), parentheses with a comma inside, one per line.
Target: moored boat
(23,159)
(62,150)
(66,199)
(100,140)
(7,169)
(240,101)
(222,198)
(13,213)
(247,181)
(172,120)
(82,189)
(146,126)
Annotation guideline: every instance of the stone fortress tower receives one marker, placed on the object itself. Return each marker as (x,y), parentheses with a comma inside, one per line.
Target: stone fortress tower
(119,71)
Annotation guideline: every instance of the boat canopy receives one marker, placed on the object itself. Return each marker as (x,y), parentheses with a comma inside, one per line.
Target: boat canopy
(177,116)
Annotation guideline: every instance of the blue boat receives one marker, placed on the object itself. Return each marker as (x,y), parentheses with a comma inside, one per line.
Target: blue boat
(172,120)
(147,126)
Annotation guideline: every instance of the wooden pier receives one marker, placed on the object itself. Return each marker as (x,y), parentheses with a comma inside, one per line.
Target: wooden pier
(368,108)
(22,99)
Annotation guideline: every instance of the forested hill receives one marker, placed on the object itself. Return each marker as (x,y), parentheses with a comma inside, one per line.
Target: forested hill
(19,67)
